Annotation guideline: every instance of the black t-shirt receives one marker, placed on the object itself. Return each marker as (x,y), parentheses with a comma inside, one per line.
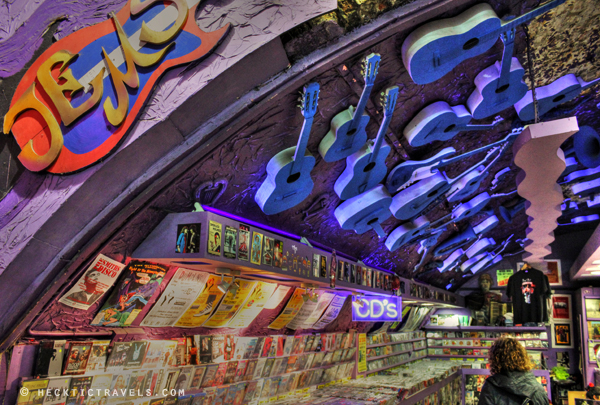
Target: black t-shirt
(528,290)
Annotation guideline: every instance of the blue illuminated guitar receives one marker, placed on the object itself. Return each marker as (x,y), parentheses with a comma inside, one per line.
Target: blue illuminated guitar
(366,168)
(463,238)
(407,233)
(499,86)
(440,122)
(434,49)
(347,133)
(560,91)
(288,180)
(366,211)
(470,208)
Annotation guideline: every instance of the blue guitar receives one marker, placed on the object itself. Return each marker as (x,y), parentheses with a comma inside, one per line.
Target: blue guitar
(452,260)
(366,168)
(463,238)
(470,208)
(481,246)
(440,122)
(288,180)
(434,49)
(347,133)
(407,233)
(560,91)
(499,86)
(366,211)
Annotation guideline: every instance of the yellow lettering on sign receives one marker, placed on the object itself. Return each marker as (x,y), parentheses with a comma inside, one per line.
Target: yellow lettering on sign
(30,159)
(161,37)
(56,91)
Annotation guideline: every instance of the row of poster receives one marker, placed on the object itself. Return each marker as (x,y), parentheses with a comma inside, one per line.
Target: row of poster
(192,299)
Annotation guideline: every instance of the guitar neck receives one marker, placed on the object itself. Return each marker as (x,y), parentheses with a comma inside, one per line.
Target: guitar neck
(301,146)
(586,85)
(531,15)
(508,38)
(380,135)
(360,107)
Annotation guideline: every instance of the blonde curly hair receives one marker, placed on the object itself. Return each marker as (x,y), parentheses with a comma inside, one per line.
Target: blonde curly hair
(507,354)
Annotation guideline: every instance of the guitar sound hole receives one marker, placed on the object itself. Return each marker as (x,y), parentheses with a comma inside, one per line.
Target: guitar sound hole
(502,89)
(371,222)
(294,177)
(470,44)
(351,132)
(369,167)
(450,128)
(434,192)
(558,98)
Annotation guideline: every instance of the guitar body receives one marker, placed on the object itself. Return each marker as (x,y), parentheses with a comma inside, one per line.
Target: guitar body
(487,99)
(586,188)
(406,233)
(481,246)
(434,49)
(468,209)
(561,90)
(340,142)
(456,241)
(405,172)
(282,189)
(486,225)
(583,175)
(362,212)
(361,175)
(436,122)
(411,201)
(452,261)
(466,186)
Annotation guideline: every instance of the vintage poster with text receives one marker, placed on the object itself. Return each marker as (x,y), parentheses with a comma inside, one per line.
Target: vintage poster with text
(204,305)
(255,303)
(230,304)
(291,309)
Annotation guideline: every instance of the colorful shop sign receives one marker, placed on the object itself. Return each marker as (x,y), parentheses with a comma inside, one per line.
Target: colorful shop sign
(80,97)
(376,308)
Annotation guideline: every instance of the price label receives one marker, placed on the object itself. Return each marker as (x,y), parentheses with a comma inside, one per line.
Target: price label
(321,386)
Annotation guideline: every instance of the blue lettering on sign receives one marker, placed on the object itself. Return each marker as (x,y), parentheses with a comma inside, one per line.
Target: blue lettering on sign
(378,308)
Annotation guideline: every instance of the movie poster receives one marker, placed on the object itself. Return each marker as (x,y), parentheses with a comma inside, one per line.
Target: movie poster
(291,309)
(177,297)
(133,291)
(254,305)
(204,304)
(230,242)
(76,362)
(256,248)
(214,238)
(230,304)
(97,279)
(268,251)
(244,237)
(188,238)
(331,313)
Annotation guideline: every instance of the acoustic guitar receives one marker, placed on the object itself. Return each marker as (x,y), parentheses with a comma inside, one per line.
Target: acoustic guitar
(434,49)
(365,211)
(366,168)
(288,180)
(347,133)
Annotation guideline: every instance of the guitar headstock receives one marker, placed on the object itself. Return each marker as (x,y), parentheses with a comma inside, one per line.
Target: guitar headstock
(388,100)
(309,100)
(370,68)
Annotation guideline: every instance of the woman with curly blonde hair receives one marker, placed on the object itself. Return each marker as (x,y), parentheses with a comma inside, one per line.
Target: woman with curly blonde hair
(511,382)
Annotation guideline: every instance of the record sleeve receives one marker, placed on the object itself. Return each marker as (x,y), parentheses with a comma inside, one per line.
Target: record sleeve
(197,377)
(209,376)
(268,251)
(49,358)
(77,358)
(79,389)
(256,253)
(98,355)
(278,253)
(244,242)
(220,377)
(100,385)
(135,354)
(30,388)
(214,238)
(230,243)
(57,391)
(230,372)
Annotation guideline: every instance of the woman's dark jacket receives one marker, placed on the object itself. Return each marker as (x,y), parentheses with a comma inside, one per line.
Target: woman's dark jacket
(513,388)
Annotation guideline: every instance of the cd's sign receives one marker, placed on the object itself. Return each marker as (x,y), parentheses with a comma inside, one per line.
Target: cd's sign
(376,308)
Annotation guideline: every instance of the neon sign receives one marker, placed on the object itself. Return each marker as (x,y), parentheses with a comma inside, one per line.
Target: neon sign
(376,308)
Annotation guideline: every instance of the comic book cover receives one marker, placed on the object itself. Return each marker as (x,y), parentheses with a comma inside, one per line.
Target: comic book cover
(214,238)
(180,355)
(218,349)
(239,394)
(205,349)
(229,347)
(291,364)
(230,243)
(250,346)
(220,395)
(97,279)
(79,390)
(209,376)
(197,377)
(260,365)
(266,372)
(283,385)
(241,344)
(157,401)
(170,379)
(230,372)
(150,380)
(57,390)
(192,350)
(256,253)
(135,288)
(230,394)
(276,366)
(250,392)
(289,343)
(135,354)
(273,348)
(250,369)
(278,253)
(258,348)
(240,371)
(244,242)
(268,251)
(210,395)
(77,358)
(184,378)
(220,377)
(266,346)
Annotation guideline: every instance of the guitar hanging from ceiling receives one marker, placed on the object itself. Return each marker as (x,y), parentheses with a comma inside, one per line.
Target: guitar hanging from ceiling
(288,180)
(434,49)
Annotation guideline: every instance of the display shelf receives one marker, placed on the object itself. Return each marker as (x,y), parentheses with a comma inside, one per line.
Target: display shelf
(479,347)
(485,328)
(471,356)
(424,393)
(393,343)
(474,338)
(390,354)
(393,365)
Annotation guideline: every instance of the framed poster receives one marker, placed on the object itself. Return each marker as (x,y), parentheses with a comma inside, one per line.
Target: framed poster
(592,308)
(502,276)
(554,272)
(561,335)
(561,307)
